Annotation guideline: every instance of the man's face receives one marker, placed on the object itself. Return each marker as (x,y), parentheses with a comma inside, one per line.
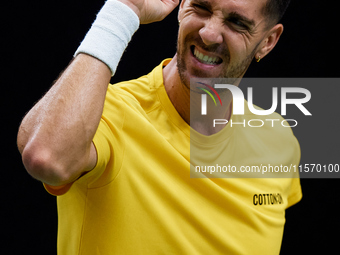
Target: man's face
(218,38)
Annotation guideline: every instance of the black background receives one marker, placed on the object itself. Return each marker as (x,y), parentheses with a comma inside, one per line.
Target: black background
(38,41)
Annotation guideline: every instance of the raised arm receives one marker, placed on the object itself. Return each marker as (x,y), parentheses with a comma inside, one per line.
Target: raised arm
(55,137)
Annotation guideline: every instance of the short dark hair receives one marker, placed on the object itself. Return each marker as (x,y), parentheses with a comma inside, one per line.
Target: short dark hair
(274,10)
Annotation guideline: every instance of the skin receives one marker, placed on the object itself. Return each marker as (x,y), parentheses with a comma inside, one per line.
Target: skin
(55,137)
(214,29)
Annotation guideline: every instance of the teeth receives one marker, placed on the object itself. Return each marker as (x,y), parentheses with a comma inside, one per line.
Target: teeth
(204,58)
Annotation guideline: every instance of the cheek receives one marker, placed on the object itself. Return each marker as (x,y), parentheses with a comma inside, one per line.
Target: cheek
(190,25)
(238,46)
(187,33)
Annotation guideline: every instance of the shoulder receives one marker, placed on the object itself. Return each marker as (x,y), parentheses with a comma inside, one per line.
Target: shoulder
(141,91)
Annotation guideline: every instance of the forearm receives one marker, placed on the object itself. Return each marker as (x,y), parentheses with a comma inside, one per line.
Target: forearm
(55,136)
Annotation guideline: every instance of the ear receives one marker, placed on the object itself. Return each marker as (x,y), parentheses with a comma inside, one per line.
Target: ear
(269,42)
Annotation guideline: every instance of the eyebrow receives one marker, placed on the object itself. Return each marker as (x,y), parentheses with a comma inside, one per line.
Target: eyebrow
(204,3)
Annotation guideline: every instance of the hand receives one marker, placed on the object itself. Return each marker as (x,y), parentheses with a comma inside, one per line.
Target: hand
(150,11)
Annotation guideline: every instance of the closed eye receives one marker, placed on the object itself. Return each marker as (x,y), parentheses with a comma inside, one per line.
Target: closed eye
(200,7)
(238,23)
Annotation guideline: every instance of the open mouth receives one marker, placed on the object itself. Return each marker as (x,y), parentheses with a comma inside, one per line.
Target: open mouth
(205,59)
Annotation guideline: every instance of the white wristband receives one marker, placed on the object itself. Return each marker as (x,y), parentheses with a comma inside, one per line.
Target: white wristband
(110,33)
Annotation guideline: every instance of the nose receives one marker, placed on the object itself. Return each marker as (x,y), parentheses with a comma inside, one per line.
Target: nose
(211,32)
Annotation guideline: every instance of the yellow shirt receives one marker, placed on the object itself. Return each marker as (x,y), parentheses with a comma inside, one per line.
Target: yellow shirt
(140,198)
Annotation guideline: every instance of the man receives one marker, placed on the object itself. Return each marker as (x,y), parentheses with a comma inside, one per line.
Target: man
(118,157)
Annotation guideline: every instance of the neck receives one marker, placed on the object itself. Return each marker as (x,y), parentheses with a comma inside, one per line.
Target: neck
(179,95)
